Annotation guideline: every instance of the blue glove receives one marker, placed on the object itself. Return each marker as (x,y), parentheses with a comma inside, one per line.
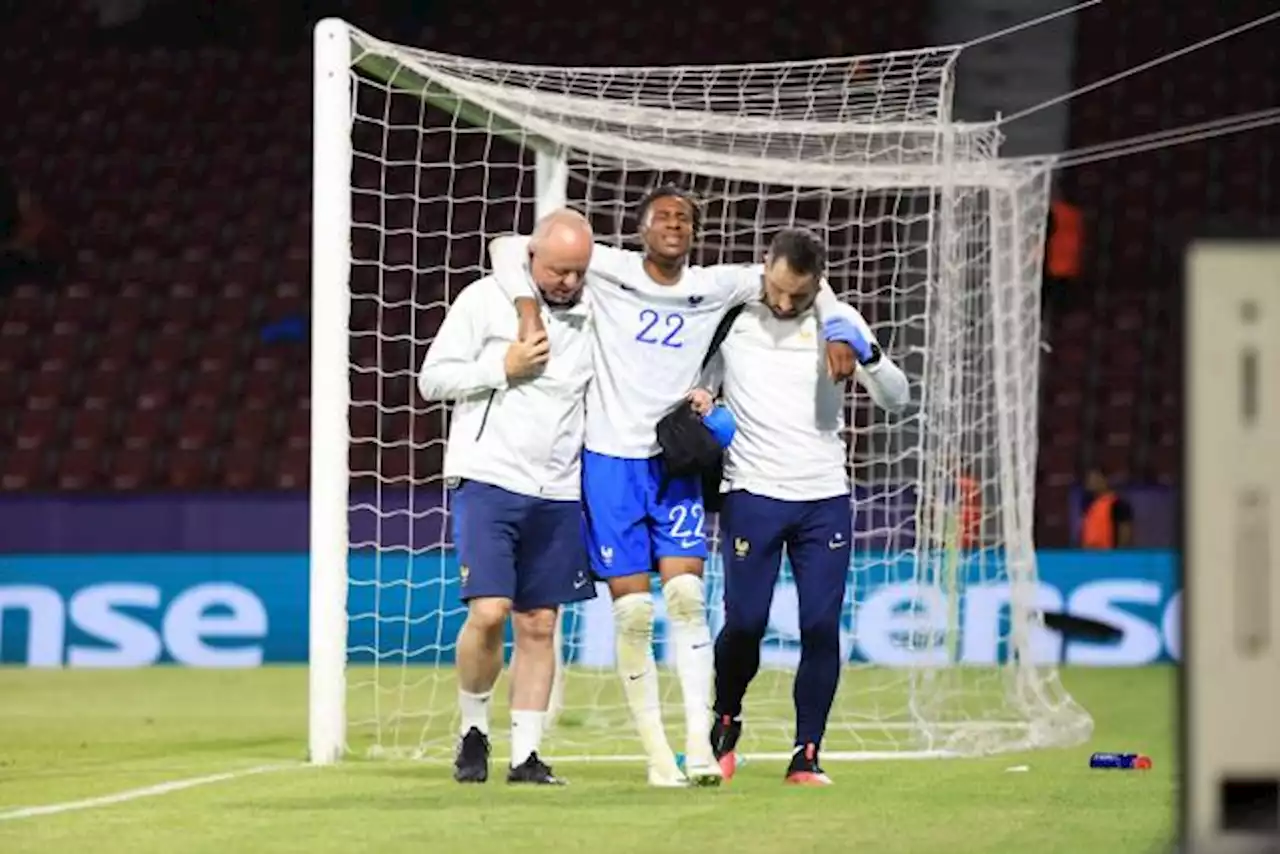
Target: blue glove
(722,425)
(845,330)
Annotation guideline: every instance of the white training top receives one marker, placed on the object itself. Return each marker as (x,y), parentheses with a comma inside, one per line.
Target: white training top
(649,339)
(790,415)
(524,436)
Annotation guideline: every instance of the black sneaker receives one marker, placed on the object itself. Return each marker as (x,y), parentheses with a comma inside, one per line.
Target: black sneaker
(725,733)
(471,763)
(534,770)
(805,770)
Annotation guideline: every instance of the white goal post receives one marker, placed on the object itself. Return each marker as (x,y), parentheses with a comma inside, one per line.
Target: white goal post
(420,158)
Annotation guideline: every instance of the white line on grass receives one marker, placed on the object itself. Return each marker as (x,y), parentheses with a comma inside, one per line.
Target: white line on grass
(135,794)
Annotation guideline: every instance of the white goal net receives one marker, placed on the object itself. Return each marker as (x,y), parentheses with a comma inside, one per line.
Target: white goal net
(421,158)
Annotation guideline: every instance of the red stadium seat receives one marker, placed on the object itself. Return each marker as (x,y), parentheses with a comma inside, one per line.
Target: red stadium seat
(143,429)
(155,390)
(290,469)
(197,429)
(25,468)
(50,384)
(37,429)
(241,468)
(251,429)
(297,431)
(80,469)
(132,468)
(90,429)
(187,468)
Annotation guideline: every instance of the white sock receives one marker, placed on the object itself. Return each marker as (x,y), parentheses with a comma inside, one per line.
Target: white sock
(695,657)
(633,625)
(475,710)
(526,734)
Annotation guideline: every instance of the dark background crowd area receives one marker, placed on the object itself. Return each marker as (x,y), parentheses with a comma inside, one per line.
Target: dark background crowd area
(155,206)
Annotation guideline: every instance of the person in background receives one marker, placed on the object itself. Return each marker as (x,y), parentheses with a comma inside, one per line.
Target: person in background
(1064,254)
(1108,518)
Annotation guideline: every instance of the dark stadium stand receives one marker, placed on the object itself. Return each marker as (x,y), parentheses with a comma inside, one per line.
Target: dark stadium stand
(1112,384)
(183,176)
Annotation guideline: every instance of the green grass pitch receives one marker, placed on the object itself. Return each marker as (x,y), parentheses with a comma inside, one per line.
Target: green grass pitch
(72,735)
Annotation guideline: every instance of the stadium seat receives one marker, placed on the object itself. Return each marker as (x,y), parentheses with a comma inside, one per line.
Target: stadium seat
(143,429)
(240,468)
(90,429)
(187,467)
(80,469)
(197,429)
(290,469)
(24,468)
(133,468)
(37,429)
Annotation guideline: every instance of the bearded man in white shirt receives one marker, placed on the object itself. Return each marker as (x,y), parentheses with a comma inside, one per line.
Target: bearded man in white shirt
(786,486)
(513,462)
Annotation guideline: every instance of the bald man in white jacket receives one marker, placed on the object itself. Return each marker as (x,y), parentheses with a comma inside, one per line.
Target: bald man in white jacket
(514,465)
(784,473)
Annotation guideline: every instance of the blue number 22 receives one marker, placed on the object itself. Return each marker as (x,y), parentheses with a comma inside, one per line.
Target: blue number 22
(673,323)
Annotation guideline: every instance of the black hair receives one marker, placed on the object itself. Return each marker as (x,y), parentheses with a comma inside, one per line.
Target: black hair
(671,191)
(804,251)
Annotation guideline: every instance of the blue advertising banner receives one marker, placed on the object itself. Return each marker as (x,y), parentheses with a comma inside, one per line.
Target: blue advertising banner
(227,610)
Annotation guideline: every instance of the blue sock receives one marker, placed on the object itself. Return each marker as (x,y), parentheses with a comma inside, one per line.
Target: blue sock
(737,662)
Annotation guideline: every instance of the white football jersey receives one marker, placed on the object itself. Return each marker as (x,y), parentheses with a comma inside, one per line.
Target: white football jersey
(790,415)
(649,342)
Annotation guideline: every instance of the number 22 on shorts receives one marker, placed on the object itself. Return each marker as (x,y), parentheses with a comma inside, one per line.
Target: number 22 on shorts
(686,524)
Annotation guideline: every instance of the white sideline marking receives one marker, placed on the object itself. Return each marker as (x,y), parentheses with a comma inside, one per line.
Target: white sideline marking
(135,794)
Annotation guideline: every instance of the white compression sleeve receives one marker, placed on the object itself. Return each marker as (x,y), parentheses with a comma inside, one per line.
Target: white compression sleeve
(695,658)
(633,623)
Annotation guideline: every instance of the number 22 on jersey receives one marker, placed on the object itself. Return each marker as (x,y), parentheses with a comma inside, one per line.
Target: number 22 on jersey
(662,329)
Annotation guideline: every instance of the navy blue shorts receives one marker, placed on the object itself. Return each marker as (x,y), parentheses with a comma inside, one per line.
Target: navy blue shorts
(633,518)
(511,546)
(816,534)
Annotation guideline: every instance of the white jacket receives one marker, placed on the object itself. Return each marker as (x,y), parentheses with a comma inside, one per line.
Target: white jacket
(525,436)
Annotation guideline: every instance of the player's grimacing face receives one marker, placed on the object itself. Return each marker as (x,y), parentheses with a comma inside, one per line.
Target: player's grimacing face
(786,292)
(667,228)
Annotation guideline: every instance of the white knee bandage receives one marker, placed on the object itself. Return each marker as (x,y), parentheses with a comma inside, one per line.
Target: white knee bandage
(686,600)
(633,616)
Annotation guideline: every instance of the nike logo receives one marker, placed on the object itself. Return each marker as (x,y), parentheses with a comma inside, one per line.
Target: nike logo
(835,543)
(702,645)
(688,544)
(580,583)
(633,677)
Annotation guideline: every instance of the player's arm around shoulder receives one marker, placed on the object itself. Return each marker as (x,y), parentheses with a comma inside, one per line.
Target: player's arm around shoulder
(468,356)
(737,284)
(877,372)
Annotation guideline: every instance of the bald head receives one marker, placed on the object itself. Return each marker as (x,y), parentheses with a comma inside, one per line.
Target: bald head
(559,252)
